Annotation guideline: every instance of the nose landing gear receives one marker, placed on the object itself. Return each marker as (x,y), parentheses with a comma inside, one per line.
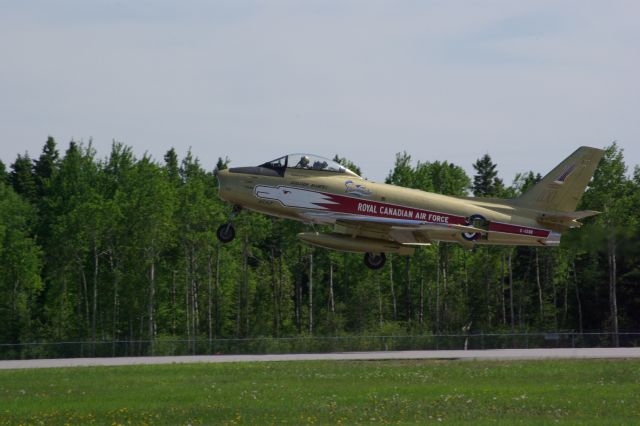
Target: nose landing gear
(227,232)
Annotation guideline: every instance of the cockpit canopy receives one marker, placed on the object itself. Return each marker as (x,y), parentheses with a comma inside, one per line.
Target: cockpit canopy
(306,162)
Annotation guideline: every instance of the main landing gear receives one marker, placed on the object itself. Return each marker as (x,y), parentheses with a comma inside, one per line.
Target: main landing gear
(227,232)
(374,260)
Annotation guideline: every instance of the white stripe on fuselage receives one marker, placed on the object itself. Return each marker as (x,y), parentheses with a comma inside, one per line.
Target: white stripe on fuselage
(314,200)
(293,197)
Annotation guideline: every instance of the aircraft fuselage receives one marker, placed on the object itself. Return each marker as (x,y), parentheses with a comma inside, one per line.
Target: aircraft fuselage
(325,198)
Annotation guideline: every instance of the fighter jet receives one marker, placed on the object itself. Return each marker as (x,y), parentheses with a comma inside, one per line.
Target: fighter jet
(376,218)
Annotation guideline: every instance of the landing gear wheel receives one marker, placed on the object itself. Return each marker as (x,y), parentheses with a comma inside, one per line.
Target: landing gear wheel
(374,260)
(226,233)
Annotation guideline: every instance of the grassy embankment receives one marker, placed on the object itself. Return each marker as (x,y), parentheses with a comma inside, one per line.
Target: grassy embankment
(596,392)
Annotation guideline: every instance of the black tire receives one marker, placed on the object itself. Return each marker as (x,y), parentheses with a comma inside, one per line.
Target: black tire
(374,261)
(226,233)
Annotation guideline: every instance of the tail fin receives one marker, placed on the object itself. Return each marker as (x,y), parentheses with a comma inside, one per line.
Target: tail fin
(563,187)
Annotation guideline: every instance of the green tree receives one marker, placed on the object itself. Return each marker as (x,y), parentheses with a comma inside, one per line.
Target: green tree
(612,193)
(45,165)
(43,170)
(22,178)
(114,178)
(196,218)
(222,164)
(523,182)
(147,201)
(402,173)
(486,182)
(125,248)
(348,164)
(4,176)
(442,178)
(171,165)
(20,264)
(74,243)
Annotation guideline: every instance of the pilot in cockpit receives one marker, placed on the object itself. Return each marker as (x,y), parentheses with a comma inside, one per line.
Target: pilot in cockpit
(303,163)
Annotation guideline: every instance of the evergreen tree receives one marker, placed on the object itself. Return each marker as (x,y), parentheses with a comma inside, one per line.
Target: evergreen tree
(43,167)
(171,165)
(4,176)
(222,164)
(22,178)
(43,170)
(486,182)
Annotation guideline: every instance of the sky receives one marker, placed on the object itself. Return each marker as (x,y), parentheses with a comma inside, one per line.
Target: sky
(525,81)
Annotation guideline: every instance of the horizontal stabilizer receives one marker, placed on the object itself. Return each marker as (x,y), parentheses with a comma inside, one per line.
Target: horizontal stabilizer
(565,219)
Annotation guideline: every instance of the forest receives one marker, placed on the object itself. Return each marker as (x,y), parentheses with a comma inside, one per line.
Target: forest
(122,248)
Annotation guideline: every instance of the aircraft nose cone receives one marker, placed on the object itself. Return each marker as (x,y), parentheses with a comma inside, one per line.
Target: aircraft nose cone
(223,180)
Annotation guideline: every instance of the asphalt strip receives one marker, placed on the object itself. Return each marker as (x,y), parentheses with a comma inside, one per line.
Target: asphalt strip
(491,354)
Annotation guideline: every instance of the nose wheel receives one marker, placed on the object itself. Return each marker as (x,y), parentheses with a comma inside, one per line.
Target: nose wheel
(374,260)
(226,233)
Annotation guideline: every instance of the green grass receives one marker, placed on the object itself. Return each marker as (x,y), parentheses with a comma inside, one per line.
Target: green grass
(405,392)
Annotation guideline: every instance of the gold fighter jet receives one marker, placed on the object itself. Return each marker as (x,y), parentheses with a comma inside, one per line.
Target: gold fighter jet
(375,218)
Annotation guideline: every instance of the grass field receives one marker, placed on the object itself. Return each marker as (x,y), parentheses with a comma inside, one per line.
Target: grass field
(399,392)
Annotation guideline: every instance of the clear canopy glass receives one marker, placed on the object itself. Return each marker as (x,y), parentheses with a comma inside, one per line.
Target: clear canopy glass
(307,162)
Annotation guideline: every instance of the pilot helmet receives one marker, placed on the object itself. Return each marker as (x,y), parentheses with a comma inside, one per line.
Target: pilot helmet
(304,161)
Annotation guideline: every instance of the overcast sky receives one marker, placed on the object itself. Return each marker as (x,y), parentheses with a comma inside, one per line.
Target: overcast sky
(527,82)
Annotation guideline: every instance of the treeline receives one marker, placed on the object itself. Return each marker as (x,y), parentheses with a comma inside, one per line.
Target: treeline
(124,248)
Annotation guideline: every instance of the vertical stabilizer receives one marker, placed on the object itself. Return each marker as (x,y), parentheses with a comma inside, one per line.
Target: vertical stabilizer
(562,188)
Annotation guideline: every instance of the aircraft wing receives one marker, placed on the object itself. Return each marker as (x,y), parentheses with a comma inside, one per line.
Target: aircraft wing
(332,218)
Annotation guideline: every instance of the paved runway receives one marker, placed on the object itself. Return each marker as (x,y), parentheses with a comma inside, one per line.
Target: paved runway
(492,354)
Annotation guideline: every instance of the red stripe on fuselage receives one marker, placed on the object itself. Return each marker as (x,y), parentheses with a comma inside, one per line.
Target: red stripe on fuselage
(363,207)
(508,228)
(359,206)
